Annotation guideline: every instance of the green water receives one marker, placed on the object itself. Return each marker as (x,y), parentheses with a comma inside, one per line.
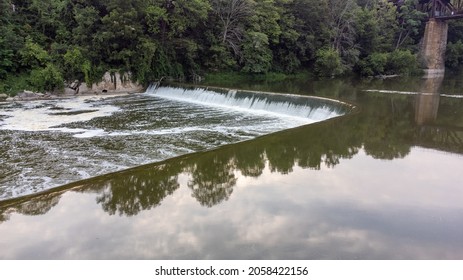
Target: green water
(381,183)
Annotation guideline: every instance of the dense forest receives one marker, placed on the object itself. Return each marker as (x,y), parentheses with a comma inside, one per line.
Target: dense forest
(46,42)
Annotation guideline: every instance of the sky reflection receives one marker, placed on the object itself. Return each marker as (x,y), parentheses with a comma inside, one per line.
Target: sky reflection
(377,184)
(376,214)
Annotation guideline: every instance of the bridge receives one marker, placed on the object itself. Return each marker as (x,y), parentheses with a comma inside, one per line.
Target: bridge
(438,9)
(442,9)
(434,43)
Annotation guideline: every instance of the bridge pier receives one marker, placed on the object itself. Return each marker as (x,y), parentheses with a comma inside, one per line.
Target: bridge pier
(433,47)
(427,102)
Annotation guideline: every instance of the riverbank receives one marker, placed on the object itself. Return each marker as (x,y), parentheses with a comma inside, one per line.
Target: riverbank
(110,84)
(346,188)
(33,96)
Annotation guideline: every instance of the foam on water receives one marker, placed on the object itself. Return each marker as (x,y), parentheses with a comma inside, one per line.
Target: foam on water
(414,93)
(98,135)
(301,109)
(48,115)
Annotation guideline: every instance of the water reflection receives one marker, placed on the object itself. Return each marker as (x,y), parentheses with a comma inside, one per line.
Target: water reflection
(427,102)
(292,168)
(387,133)
(128,195)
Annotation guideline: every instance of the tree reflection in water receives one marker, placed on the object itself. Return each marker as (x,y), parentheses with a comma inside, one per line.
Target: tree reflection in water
(213,178)
(128,194)
(385,129)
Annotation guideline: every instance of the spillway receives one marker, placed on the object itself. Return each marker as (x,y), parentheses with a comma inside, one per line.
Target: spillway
(48,143)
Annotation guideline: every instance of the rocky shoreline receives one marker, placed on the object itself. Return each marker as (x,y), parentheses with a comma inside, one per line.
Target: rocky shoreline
(32,96)
(111,83)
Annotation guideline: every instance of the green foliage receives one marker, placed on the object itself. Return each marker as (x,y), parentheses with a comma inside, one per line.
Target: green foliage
(47,79)
(374,64)
(410,19)
(13,84)
(328,63)
(400,62)
(265,19)
(455,31)
(6,59)
(256,53)
(219,58)
(76,66)
(341,21)
(33,55)
(154,16)
(145,62)
(454,54)
(183,38)
(376,26)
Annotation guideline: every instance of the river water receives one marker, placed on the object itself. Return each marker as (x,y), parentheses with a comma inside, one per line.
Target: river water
(382,181)
(49,143)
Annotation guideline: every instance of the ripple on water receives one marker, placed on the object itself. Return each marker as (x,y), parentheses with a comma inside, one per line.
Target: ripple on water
(50,143)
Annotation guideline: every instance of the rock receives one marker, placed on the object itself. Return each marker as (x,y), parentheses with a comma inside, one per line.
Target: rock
(3,96)
(27,95)
(69,91)
(74,85)
(112,83)
(10,99)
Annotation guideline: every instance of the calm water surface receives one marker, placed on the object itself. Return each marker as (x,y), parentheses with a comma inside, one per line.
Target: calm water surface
(381,183)
(48,143)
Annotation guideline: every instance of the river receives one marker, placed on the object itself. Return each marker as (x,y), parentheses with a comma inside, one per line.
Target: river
(378,179)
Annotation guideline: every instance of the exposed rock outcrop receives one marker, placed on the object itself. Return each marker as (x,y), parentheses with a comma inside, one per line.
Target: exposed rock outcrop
(110,83)
(30,95)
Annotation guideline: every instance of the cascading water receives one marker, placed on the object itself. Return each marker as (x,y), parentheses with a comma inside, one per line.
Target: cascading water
(48,143)
(309,109)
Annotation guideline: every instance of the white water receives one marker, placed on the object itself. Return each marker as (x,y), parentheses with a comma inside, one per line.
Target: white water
(49,143)
(48,115)
(414,93)
(300,108)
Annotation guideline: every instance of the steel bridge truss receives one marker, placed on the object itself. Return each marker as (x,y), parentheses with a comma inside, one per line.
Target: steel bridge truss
(442,9)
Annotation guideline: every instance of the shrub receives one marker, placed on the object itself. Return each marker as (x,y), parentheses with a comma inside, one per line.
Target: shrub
(374,64)
(328,63)
(402,62)
(454,54)
(257,55)
(47,79)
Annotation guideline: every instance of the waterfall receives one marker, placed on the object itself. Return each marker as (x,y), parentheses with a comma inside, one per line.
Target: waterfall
(311,108)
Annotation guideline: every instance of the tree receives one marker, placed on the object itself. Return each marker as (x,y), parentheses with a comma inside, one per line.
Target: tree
(47,79)
(328,63)
(454,54)
(48,17)
(341,24)
(376,27)
(33,55)
(76,66)
(11,40)
(257,56)
(232,14)
(409,18)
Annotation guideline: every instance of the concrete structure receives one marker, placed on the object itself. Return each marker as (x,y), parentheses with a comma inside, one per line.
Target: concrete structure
(427,102)
(433,47)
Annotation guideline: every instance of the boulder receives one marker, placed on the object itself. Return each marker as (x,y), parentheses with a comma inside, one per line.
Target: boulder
(3,96)
(25,95)
(69,91)
(113,83)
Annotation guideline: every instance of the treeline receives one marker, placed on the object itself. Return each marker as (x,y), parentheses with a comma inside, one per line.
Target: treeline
(54,40)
